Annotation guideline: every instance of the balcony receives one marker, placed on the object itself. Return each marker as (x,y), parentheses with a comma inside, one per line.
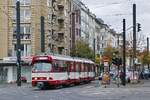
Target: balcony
(61,36)
(61,18)
(23,20)
(22,36)
(54,12)
(60,50)
(60,4)
(61,30)
(60,43)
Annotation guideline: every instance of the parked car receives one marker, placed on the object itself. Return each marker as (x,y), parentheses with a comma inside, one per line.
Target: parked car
(24,79)
(145,74)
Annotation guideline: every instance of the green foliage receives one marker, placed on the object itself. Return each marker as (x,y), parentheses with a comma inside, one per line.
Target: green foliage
(109,51)
(82,50)
(145,59)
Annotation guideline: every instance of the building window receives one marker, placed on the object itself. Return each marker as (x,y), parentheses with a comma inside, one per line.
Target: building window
(14,15)
(77,16)
(102,37)
(102,45)
(14,2)
(77,32)
(23,29)
(25,14)
(22,2)
(14,30)
(21,47)
(25,49)
(48,2)
(70,32)
(25,32)
(70,6)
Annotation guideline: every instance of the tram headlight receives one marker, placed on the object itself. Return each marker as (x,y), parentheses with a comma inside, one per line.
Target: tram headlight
(34,78)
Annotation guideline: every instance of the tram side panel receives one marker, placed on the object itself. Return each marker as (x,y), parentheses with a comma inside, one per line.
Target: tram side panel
(91,72)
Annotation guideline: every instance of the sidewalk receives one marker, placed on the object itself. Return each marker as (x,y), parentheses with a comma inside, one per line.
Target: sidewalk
(128,85)
(3,85)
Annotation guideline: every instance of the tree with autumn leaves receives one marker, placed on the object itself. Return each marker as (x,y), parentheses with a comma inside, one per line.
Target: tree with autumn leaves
(109,51)
(141,52)
(82,50)
(144,57)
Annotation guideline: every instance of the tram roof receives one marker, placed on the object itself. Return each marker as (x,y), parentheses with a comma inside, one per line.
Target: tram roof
(68,58)
(62,58)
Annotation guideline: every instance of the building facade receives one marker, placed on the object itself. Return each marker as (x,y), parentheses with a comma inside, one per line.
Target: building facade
(29,27)
(57,26)
(65,22)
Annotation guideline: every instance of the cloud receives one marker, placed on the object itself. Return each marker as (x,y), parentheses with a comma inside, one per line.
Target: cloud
(113,12)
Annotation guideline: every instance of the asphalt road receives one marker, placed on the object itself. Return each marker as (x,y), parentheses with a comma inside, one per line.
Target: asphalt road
(90,91)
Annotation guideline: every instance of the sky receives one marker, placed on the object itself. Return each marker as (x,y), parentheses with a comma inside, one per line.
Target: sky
(114,11)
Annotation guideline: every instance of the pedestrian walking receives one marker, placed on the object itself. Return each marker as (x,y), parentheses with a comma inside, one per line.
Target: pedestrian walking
(121,77)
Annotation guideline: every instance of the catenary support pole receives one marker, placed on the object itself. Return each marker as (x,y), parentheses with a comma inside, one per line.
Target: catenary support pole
(42,35)
(148,48)
(134,38)
(124,52)
(18,53)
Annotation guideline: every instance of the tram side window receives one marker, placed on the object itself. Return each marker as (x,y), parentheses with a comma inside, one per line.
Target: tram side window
(56,66)
(63,66)
(86,67)
(71,67)
(93,68)
(60,66)
(77,67)
(82,67)
(68,66)
(90,68)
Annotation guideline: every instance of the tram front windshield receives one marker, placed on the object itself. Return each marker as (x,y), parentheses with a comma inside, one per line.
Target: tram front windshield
(42,66)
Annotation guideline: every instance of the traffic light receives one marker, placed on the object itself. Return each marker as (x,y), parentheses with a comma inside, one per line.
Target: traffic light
(114,61)
(117,61)
(139,27)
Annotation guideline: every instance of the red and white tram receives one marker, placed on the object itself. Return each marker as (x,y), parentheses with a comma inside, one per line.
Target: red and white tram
(50,70)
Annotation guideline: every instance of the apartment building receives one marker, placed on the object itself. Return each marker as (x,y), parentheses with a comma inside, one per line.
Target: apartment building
(75,21)
(4,28)
(57,22)
(28,20)
(84,23)
(65,22)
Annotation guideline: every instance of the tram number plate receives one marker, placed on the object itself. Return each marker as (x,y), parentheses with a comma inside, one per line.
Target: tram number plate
(40,84)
